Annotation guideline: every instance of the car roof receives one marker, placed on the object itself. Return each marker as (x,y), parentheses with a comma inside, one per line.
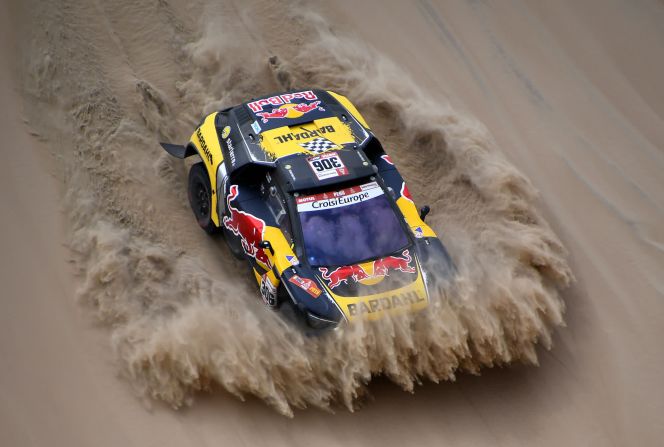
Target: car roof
(301,123)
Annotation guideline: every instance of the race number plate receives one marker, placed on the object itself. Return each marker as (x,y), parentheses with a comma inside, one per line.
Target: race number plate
(327,166)
(268,291)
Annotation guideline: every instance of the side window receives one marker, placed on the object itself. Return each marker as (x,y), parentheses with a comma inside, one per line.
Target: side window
(279,212)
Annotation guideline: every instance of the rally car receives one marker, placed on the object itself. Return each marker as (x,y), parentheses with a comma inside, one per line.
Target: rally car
(302,189)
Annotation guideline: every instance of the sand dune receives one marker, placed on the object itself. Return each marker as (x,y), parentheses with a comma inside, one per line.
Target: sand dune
(567,141)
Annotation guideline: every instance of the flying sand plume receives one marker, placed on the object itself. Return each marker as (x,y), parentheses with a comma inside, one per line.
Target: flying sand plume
(179,318)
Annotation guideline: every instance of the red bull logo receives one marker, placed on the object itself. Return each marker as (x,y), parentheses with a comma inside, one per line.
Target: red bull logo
(248,227)
(290,111)
(286,98)
(341,274)
(380,268)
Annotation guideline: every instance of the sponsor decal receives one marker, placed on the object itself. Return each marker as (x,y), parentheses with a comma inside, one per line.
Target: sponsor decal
(378,269)
(319,145)
(290,111)
(307,285)
(225,132)
(335,199)
(248,227)
(305,134)
(385,303)
(204,146)
(268,291)
(231,151)
(286,98)
(419,233)
(292,260)
(256,127)
(328,165)
(387,159)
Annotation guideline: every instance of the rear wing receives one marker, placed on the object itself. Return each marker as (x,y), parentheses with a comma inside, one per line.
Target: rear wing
(178,151)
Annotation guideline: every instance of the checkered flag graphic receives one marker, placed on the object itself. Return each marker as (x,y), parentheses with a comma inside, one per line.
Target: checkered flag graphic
(319,145)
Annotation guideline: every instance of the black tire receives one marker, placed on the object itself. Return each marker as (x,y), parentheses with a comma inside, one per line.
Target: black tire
(234,245)
(200,197)
(282,295)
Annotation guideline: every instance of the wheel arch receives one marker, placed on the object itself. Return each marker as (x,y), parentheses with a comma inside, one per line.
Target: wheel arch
(205,142)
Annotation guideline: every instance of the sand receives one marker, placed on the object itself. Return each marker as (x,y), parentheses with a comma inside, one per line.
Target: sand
(105,275)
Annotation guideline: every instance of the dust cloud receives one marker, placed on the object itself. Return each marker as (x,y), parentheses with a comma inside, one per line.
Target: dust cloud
(180,319)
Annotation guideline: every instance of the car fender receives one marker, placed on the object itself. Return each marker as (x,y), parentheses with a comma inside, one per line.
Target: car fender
(205,142)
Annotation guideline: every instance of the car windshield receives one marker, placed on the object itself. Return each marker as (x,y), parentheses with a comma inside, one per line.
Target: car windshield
(349,226)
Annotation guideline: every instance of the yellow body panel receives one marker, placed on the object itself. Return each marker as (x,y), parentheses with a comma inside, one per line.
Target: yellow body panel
(410,298)
(350,107)
(279,259)
(270,274)
(286,140)
(412,216)
(282,248)
(206,142)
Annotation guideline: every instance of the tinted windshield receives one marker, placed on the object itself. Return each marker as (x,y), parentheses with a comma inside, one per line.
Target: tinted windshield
(349,226)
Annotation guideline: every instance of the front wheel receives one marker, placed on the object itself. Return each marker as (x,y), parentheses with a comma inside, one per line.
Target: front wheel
(200,197)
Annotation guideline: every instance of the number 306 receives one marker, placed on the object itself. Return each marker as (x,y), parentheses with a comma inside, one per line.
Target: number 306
(326,163)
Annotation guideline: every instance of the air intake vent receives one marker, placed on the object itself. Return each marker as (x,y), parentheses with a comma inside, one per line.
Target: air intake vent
(242,115)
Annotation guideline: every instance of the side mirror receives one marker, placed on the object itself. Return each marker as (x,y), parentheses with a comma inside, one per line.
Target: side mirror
(265,245)
(424,211)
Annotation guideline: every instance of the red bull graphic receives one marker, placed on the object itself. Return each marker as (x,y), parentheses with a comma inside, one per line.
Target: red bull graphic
(405,193)
(286,98)
(341,274)
(276,113)
(387,159)
(380,268)
(290,111)
(248,227)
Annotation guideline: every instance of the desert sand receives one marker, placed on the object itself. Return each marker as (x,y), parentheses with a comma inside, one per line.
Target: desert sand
(534,129)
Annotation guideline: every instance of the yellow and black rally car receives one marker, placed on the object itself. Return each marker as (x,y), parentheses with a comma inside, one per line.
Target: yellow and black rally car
(304,191)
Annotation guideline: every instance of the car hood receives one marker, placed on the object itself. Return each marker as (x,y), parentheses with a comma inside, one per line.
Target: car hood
(369,290)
